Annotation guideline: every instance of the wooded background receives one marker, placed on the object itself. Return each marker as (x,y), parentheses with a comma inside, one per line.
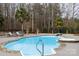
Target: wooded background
(43,17)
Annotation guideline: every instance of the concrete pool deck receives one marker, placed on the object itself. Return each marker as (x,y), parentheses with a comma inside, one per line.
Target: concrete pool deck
(66,48)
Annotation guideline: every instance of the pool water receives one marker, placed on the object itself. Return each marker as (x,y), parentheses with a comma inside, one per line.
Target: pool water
(35,46)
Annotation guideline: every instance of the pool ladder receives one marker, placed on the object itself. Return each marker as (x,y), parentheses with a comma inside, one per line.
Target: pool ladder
(41,52)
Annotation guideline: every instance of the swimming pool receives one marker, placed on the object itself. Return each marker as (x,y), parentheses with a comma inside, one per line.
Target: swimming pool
(35,46)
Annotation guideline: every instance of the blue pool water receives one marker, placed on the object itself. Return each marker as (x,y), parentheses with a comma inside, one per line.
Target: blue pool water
(29,46)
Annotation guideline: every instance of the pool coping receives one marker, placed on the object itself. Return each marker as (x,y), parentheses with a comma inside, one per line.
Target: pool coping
(8,50)
(24,37)
(68,40)
(3,49)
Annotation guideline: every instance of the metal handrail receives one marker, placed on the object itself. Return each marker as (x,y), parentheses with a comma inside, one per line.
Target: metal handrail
(41,52)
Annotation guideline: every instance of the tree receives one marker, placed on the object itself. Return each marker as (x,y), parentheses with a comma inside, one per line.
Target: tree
(38,15)
(22,15)
(56,15)
(1,20)
(58,23)
(66,11)
(1,17)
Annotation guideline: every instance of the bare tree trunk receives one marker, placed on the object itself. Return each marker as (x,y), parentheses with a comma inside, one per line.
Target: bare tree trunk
(52,19)
(27,30)
(22,28)
(37,31)
(32,22)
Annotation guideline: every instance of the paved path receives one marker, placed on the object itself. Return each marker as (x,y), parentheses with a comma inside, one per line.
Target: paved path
(68,49)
